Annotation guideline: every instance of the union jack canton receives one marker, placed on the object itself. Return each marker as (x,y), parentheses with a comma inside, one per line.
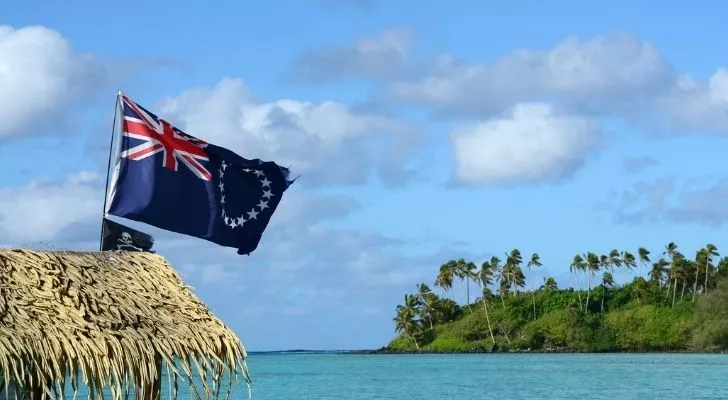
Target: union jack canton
(159,135)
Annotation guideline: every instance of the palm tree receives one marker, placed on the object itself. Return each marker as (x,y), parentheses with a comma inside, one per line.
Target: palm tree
(711,251)
(487,272)
(464,271)
(444,279)
(639,288)
(577,264)
(470,271)
(607,263)
(534,262)
(549,284)
(426,299)
(607,282)
(670,251)
(519,279)
(405,321)
(501,274)
(644,256)
(515,275)
(504,287)
(485,278)
(701,257)
(592,265)
(722,269)
(658,271)
(629,262)
(688,266)
(677,270)
(615,260)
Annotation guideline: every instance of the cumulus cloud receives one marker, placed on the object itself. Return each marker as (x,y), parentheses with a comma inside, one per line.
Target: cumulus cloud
(382,56)
(533,143)
(326,142)
(41,76)
(606,71)
(613,75)
(45,211)
(693,105)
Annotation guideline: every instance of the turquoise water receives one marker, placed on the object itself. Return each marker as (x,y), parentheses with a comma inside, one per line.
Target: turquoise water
(488,376)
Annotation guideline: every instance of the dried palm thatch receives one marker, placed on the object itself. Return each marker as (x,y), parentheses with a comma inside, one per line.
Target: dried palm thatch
(111,320)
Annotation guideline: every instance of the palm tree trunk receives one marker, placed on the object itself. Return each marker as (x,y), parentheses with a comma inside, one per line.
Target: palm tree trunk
(705,286)
(505,335)
(578,292)
(467,303)
(682,292)
(695,284)
(602,303)
(674,291)
(467,292)
(533,297)
(487,319)
(417,346)
(588,292)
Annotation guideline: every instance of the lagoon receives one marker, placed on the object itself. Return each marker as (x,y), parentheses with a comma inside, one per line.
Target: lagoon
(490,376)
(486,376)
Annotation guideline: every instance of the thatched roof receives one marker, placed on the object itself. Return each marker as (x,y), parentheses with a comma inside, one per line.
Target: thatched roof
(109,320)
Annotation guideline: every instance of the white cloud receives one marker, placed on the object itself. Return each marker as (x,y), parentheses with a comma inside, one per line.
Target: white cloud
(697,106)
(325,142)
(381,56)
(606,70)
(532,144)
(42,211)
(40,76)
(614,75)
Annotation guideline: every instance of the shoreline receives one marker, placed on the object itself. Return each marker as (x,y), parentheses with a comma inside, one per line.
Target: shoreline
(391,351)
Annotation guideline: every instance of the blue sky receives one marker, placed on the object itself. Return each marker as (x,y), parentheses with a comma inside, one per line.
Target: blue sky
(423,131)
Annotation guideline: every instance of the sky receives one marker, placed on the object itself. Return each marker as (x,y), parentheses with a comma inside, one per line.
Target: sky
(422,131)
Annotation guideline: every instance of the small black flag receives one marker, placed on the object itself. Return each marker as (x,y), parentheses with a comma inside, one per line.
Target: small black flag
(119,237)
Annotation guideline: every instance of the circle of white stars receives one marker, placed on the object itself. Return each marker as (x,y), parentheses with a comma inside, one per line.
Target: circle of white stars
(234,221)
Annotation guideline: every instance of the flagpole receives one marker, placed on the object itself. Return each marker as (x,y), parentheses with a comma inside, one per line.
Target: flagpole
(108,168)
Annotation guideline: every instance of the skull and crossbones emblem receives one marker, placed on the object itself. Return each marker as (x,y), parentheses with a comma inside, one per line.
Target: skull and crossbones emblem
(125,242)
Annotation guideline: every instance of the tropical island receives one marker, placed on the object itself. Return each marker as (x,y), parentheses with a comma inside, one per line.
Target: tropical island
(673,303)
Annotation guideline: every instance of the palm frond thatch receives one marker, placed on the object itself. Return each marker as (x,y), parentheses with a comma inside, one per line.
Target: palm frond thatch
(111,320)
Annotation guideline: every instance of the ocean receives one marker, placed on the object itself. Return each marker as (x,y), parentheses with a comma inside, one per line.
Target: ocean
(490,376)
(485,376)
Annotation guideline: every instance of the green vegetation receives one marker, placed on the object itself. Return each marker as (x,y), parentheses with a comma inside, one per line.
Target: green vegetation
(680,304)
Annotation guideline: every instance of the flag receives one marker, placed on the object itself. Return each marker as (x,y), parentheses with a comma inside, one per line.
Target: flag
(174,181)
(116,236)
